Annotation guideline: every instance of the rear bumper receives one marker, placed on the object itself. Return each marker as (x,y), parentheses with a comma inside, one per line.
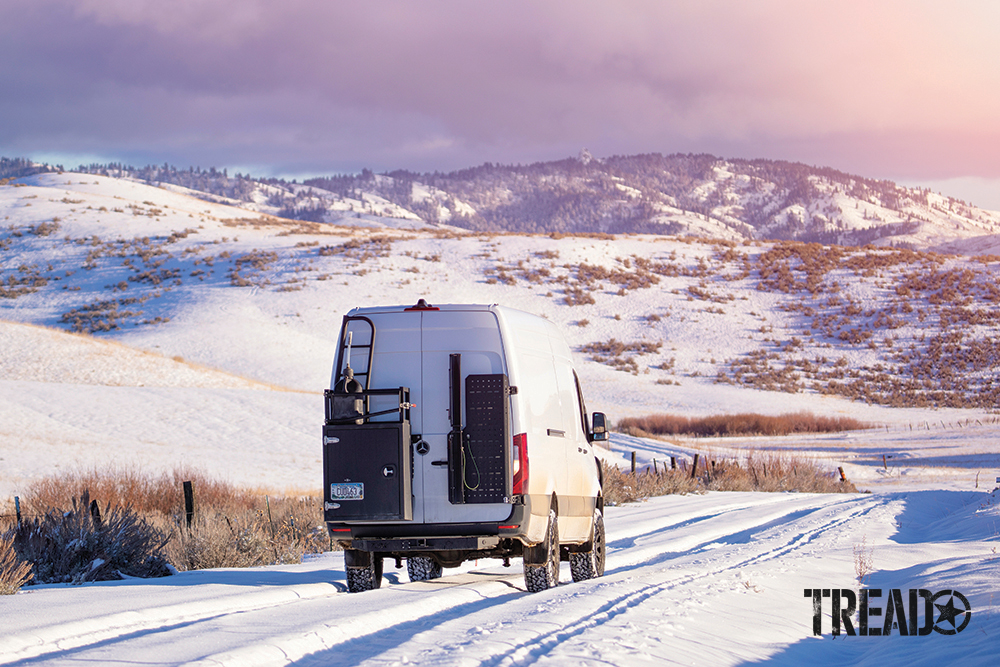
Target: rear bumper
(512,526)
(402,544)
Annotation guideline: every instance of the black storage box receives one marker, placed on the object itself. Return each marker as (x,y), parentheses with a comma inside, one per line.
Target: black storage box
(367,472)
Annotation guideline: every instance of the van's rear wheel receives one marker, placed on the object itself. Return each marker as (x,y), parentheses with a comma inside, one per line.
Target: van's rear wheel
(541,562)
(422,568)
(364,570)
(590,564)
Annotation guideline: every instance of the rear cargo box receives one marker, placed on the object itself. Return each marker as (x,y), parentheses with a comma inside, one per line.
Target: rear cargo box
(367,465)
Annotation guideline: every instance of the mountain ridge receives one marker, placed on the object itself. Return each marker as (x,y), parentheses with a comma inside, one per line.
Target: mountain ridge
(681,194)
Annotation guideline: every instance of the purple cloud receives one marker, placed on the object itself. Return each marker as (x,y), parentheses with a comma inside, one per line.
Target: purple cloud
(901,89)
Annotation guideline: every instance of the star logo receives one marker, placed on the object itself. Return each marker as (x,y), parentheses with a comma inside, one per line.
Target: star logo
(948,612)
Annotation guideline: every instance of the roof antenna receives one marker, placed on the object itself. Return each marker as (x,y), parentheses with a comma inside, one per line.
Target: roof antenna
(350,340)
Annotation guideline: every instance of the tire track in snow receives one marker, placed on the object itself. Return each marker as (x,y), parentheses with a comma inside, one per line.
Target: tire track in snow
(587,616)
(530,651)
(406,626)
(101,628)
(460,600)
(396,617)
(634,555)
(590,610)
(72,641)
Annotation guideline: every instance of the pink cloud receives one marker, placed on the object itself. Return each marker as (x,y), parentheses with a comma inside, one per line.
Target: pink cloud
(884,89)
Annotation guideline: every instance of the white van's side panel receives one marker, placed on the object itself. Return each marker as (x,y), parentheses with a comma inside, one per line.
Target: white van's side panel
(561,460)
(575,508)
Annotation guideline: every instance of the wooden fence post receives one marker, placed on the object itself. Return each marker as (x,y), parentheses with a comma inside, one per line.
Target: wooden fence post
(274,543)
(188,503)
(17,510)
(95,513)
(694,466)
(843,477)
(673,463)
(633,462)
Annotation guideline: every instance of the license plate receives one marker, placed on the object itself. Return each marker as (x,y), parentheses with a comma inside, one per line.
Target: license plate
(347,491)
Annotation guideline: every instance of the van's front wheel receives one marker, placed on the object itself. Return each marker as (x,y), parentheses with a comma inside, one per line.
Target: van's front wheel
(589,564)
(541,562)
(364,570)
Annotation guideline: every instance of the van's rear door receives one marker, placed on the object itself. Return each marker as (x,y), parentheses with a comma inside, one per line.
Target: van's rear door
(475,335)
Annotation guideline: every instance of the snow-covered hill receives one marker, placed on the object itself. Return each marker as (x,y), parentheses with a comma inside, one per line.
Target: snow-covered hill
(667,317)
(694,195)
(203,316)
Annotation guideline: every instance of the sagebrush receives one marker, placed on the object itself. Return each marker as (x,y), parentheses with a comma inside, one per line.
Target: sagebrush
(231,526)
(756,472)
(738,424)
(83,543)
(14,572)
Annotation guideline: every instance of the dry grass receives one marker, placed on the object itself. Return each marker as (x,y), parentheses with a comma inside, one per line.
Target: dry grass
(864,562)
(131,487)
(772,473)
(266,532)
(757,472)
(932,331)
(619,355)
(232,526)
(85,543)
(624,487)
(14,572)
(739,424)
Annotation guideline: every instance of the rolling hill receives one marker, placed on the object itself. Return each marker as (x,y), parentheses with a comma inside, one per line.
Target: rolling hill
(698,195)
(169,328)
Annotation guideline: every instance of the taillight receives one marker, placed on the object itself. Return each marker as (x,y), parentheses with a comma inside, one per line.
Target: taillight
(520,477)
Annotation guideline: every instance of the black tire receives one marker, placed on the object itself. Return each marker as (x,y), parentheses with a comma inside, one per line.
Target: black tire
(422,568)
(589,564)
(541,563)
(364,570)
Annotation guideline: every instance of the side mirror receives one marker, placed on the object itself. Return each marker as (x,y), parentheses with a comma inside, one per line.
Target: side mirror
(599,427)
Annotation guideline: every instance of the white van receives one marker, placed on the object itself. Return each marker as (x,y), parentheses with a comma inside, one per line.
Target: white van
(459,432)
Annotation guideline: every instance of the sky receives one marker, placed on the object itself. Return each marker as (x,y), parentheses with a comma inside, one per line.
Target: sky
(907,90)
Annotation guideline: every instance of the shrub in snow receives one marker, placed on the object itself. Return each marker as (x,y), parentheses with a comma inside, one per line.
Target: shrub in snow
(77,545)
(624,487)
(756,472)
(248,537)
(14,572)
(738,424)
(233,526)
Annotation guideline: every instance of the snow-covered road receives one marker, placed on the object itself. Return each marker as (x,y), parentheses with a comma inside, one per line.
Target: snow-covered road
(711,579)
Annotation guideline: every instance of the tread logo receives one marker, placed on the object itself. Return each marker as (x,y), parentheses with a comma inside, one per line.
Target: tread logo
(946,612)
